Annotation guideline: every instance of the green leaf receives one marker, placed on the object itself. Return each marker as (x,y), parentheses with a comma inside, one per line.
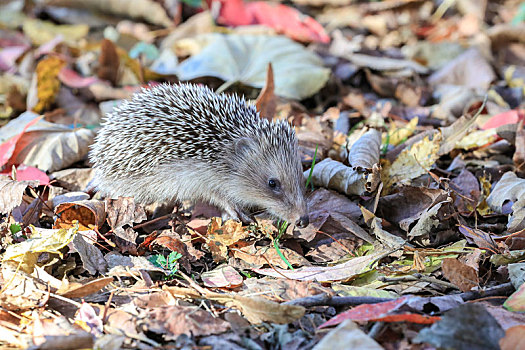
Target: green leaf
(245,58)
(15,228)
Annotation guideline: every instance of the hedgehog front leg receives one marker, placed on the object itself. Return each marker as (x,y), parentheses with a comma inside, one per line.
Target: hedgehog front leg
(230,212)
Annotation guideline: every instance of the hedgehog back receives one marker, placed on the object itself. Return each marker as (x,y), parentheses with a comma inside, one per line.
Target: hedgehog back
(167,123)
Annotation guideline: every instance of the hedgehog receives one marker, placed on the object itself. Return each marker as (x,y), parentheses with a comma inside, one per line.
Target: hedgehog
(172,143)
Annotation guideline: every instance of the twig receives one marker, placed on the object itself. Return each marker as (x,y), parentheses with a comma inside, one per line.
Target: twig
(336,301)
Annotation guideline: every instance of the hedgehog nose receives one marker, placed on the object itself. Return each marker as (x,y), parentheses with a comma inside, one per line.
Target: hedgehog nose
(303,221)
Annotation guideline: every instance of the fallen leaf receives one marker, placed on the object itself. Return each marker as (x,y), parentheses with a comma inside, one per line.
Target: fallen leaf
(244,59)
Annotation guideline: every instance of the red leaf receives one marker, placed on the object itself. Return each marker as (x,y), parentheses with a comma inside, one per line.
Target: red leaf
(284,19)
(288,21)
(7,148)
(75,80)
(408,317)
(509,117)
(234,13)
(380,312)
(28,173)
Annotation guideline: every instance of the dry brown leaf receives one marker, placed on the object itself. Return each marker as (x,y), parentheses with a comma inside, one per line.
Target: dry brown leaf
(221,236)
(88,213)
(335,175)
(80,290)
(460,274)
(513,338)
(222,277)
(266,102)
(172,321)
(108,62)
(258,310)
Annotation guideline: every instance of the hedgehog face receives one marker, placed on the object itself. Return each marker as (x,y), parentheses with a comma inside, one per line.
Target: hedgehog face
(270,178)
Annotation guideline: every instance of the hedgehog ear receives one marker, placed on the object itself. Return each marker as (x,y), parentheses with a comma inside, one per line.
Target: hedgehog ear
(243,145)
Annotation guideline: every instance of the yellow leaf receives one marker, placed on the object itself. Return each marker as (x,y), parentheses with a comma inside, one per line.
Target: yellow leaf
(477,139)
(48,84)
(397,134)
(40,32)
(42,240)
(412,162)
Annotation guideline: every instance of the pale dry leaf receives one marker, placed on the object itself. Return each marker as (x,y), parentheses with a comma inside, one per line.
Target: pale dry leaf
(200,23)
(40,32)
(385,63)
(92,258)
(384,237)
(477,139)
(510,188)
(21,291)
(428,220)
(469,69)
(245,58)
(52,147)
(364,152)
(396,134)
(332,174)
(348,333)
(340,272)
(173,320)
(222,277)
(258,310)
(11,193)
(81,290)
(148,10)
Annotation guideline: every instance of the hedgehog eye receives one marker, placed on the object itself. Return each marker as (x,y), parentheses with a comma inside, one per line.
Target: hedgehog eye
(274,184)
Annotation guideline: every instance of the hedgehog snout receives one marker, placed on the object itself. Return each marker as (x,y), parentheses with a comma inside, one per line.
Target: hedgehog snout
(303,221)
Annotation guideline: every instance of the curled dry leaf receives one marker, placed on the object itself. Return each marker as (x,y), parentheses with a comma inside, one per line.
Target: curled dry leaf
(510,188)
(11,193)
(361,177)
(335,175)
(80,290)
(88,213)
(364,153)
